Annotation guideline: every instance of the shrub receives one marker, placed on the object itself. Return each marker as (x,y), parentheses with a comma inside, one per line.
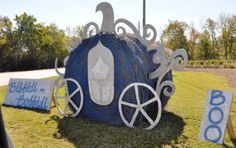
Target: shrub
(215,63)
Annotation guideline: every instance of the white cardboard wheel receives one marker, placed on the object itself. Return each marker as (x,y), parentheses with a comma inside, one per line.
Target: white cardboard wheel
(138,106)
(60,83)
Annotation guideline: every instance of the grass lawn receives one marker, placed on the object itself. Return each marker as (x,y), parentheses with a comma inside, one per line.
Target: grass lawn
(178,128)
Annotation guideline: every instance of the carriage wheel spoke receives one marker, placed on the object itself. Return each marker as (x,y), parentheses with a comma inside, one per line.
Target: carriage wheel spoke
(74,92)
(149,102)
(137,94)
(73,104)
(72,95)
(146,116)
(134,117)
(129,104)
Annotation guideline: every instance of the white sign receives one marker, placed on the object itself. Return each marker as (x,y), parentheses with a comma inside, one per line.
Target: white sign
(31,93)
(216,114)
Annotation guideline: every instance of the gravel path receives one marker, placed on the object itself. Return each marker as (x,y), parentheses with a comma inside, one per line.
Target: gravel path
(230,74)
(35,74)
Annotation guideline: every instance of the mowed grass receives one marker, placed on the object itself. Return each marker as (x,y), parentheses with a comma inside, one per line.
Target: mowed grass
(178,128)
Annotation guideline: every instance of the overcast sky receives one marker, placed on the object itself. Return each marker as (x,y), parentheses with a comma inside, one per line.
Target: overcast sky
(69,13)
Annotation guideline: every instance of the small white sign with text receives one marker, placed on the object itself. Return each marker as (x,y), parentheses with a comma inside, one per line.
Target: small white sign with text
(30,93)
(216,115)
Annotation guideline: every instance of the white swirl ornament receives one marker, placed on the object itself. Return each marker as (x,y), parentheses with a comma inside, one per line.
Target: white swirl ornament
(108,17)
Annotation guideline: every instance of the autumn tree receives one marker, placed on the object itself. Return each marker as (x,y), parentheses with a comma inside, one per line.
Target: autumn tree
(174,35)
(204,45)
(5,43)
(232,36)
(27,39)
(212,29)
(53,45)
(29,44)
(74,36)
(192,43)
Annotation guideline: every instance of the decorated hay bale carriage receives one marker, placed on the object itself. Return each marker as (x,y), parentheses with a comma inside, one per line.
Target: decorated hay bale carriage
(117,77)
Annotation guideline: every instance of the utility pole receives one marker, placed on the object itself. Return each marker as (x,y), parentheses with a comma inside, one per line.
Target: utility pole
(144,12)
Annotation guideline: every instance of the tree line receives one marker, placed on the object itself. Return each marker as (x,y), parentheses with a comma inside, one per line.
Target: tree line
(215,40)
(26,44)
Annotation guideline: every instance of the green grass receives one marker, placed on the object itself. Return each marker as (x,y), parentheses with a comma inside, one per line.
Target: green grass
(178,128)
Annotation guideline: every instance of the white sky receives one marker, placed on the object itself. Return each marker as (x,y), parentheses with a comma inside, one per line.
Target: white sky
(69,13)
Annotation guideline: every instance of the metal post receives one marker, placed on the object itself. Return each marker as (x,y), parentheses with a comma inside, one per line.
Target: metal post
(144,12)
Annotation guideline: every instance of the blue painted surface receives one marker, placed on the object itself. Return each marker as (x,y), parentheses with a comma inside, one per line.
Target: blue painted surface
(132,64)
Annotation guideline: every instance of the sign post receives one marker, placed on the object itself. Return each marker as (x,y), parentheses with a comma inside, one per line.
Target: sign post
(217,116)
(30,93)
(230,129)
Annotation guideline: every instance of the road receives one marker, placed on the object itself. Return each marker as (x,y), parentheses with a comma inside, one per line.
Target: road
(35,74)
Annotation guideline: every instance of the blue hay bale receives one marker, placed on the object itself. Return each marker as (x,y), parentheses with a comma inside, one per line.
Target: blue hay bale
(132,63)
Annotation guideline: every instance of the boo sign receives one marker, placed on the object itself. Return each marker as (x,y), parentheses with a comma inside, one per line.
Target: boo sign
(30,93)
(216,115)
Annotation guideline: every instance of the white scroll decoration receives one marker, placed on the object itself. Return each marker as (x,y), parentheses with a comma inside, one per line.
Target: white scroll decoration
(87,32)
(147,34)
(110,26)
(108,16)
(121,31)
(56,68)
(176,61)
